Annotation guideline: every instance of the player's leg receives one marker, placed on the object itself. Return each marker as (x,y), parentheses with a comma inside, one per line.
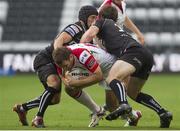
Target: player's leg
(134,91)
(85,99)
(111,101)
(119,71)
(52,83)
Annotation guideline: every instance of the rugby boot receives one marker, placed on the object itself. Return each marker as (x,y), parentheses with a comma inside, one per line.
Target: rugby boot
(96,117)
(123,109)
(165,119)
(21,114)
(38,122)
(133,119)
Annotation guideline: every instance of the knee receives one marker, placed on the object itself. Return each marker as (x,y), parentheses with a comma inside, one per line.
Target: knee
(113,77)
(110,78)
(72,92)
(54,81)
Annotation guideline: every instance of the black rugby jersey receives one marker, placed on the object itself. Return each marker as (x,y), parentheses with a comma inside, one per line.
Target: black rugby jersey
(116,41)
(75,30)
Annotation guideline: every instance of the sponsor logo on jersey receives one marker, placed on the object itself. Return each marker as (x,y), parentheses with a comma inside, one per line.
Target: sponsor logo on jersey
(91,63)
(84,56)
(76,30)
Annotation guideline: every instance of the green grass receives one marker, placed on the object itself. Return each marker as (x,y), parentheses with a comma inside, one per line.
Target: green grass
(70,115)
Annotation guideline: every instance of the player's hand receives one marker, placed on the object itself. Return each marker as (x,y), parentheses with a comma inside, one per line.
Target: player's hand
(68,79)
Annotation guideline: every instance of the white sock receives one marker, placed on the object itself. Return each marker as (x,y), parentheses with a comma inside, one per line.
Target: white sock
(87,101)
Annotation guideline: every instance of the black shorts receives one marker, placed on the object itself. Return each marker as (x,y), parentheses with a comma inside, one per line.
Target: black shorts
(44,67)
(141,58)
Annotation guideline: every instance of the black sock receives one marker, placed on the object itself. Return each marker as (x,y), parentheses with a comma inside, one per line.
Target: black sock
(46,98)
(149,101)
(31,104)
(118,90)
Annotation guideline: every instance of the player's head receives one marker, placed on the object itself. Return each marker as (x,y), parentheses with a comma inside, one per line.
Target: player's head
(64,58)
(87,14)
(109,12)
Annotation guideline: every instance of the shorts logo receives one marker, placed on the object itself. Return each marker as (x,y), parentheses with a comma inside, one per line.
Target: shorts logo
(137,60)
(84,56)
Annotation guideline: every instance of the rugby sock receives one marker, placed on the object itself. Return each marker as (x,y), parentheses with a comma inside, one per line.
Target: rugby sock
(46,98)
(31,104)
(87,101)
(118,90)
(149,101)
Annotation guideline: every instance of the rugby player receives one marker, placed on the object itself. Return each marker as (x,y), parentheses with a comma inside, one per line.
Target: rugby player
(89,57)
(123,19)
(134,61)
(48,75)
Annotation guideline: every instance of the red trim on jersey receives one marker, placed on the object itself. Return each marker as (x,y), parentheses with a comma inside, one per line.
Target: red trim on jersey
(108,2)
(59,70)
(91,64)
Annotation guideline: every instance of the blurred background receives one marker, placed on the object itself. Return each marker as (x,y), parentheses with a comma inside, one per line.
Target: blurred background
(27,26)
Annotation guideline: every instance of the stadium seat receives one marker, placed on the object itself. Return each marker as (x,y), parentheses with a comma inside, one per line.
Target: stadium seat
(152,39)
(177,3)
(170,3)
(140,15)
(168,20)
(156,3)
(176,38)
(166,39)
(155,16)
(178,20)
(1,32)
(131,3)
(142,3)
(3,11)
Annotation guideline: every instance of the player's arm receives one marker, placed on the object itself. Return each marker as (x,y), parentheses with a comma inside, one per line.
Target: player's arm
(61,39)
(130,25)
(87,81)
(89,34)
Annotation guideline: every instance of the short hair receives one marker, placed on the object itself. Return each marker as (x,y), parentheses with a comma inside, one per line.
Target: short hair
(108,12)
(60,55)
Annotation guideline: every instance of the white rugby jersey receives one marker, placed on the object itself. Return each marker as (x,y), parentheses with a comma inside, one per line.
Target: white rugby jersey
(89,56)
(121,11)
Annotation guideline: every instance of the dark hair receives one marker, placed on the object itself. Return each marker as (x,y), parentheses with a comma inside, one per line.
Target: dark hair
(85,12)
(61,54)
(108,12)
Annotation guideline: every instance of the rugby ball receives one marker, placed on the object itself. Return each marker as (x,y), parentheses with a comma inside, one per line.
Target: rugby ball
(79,73)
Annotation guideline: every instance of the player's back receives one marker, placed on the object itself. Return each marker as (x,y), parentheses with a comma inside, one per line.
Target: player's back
(104,59)
(116,40)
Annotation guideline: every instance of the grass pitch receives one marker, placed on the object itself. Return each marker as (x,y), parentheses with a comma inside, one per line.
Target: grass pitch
(70,115)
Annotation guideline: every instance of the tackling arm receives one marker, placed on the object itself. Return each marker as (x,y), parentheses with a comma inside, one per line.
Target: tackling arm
(130,25)
(61,39)
(89,34)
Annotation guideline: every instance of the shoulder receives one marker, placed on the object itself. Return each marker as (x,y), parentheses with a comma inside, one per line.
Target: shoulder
(82,55)
(73,29)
